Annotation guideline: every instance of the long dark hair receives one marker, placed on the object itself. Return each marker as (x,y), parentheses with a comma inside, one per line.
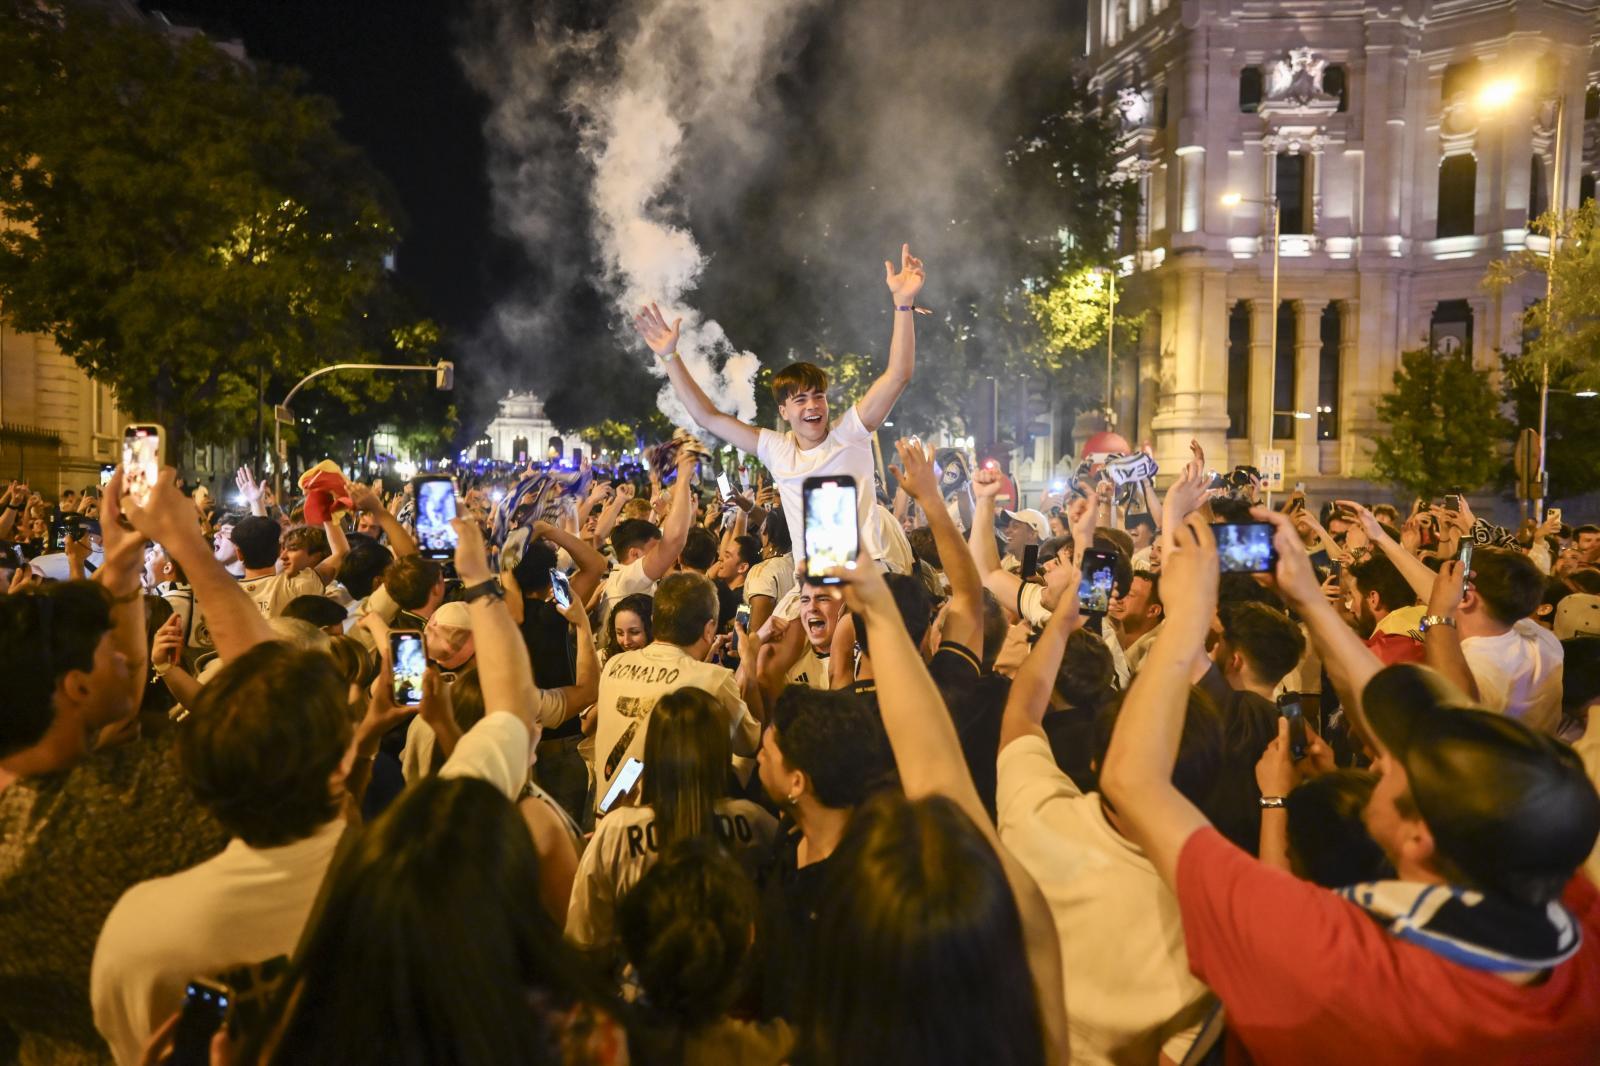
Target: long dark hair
(640,604)
(919,956)
(686,757)
(432,946)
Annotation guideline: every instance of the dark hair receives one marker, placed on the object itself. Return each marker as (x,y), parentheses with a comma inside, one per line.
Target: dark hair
(257,539)
(466,699)
(316,609)
(44,634)
(915,908)
(1086,678)
(1328,842)
(1143,518)
(834,738)
(749,549)
(686,928)
(700,549)
(1378,574)
(798,377)
(532,571)
(684,604)
(445,883)
(312,538)
(1585,529)
(266,735)
(640,604)
(410,580)
(355,663)
(363,564)
(1267,638)
(776,530)
(1509,584)
(1580,673)
(686,757)
(631,533)
(1201,757)
(1234,589)
(1109,536)
(924,547)
(995,628)
(1584,579)
(916,608)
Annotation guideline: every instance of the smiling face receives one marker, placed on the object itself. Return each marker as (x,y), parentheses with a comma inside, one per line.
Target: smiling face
(807,415)
(819,613)
(630,631)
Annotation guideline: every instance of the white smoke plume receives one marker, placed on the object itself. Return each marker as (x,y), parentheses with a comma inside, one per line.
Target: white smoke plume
(679,67)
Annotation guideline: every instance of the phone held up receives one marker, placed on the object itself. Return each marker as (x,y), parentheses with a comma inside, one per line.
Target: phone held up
(1245,547)
(626,778)
(435,499)
(560,588)
(205,1009)
(141,460)
(832,528)
(1097,585)
(408,660)
(1289,707)
(1030,561)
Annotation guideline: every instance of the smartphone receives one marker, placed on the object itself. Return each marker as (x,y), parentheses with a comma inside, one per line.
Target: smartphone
(205,1008)
(1336,568)
(724,486)
(141,460)
(560,588)
(1030,561)
(68,526)
(741,615)
(1289,707)
(1464,553)
(622,784)
(408,660)
(1245,547)
(1552,514)
(106,470)
(832,528)
(1300,487)
(1097,585)
(435,497)
(1452,502)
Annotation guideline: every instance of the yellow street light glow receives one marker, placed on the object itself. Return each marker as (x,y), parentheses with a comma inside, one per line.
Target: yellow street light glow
(1498,93)
(1231,199)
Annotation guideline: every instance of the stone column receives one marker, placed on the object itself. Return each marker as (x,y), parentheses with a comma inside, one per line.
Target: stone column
(1303,457)
(1350,368)
(1260,415)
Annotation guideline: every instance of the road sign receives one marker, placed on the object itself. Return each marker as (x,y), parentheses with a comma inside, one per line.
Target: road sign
(1270,462)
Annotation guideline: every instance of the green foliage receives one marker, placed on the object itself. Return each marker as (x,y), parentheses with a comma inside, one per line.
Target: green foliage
(1563,330)
(182,223)
(1571,459)
(1444,425)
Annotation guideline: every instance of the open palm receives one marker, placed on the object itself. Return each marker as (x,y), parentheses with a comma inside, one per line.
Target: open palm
(652,326)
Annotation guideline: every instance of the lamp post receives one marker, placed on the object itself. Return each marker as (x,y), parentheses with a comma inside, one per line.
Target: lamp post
(1111,328)
(1233,199)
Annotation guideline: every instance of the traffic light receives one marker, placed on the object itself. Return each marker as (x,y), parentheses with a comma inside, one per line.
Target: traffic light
(444,375)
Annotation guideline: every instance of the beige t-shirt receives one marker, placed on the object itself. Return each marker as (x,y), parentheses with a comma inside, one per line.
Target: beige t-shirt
(272,594)
(1122,951)
(770,577)
(630,685)
(811,670)
(623,582)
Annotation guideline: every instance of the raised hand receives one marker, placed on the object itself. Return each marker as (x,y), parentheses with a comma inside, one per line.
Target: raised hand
(167,644)
(246,483)
(652,326)
(1448,587)
(472,558)
(169,516)
(1295,577)
(915,472)
(364,498)
(987,483)
(1190,568)
(905,284)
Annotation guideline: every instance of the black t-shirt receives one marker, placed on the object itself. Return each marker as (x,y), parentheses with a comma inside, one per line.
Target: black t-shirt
(553,651)
(728,601)
(977,702)
(1250,723)
(791,898)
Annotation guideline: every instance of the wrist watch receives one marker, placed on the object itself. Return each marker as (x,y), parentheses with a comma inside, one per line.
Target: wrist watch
(1436,620)
(1273,802)
(490,588)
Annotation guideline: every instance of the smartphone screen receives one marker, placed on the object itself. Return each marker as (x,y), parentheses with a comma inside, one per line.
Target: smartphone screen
(560,588)
(58,536)
(436,506)
(1030,561)
(832,527)
(741,614)
(409,661)
(1289,707)
(205,1008)
(1097,585)
(106,470)
(626,778)
(1245,547)
(1452,502)
(1465,555)
(724,486)
(141,460)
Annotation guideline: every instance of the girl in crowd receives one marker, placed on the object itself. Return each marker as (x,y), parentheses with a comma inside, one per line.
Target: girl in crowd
(628,629)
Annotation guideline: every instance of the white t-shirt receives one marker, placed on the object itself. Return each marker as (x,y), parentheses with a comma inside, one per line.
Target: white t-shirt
(811,670)
(271,594)
(770,577)
(1122,951)
(896,546)
(416,758)
(624,847)
(1519,673)
(630,685)
(497,749)
(244,906)
(622,582)
(847,449)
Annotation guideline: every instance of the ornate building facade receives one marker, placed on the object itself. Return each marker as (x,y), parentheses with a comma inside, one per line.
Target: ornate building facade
(1396,187)
(519,431)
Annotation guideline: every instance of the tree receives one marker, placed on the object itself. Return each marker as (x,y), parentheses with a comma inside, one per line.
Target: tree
(1444,425)
(186,225)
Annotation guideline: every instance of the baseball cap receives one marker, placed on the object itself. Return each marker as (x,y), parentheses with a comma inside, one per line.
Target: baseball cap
(448,635)
(1509,807)
(1576,614)
(1028,516)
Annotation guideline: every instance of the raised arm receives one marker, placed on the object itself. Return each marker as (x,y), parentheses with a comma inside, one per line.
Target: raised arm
(120,575)
(1441,644)
(879,400)
(1036,680)
(611,511)
(338,548)
(591,564)
(963,623)
(169,519)
(675,530)
(251,491)
(505,673)
(401,542)
(1414,570)
(11,505)
(663,341)
(587,685)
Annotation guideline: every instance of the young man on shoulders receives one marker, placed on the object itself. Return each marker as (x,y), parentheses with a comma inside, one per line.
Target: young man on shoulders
(812,447)
(646,552)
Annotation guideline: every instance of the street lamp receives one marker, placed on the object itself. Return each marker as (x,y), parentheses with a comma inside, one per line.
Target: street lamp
(1111,327)
(1497,95)
(1233,199)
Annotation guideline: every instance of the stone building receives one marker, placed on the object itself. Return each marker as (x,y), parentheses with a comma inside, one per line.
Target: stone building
(519,431)
(1396,183)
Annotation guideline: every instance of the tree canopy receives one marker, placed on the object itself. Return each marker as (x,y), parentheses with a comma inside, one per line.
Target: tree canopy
(1444,425)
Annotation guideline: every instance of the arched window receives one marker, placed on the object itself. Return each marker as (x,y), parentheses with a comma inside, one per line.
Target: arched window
(1250,90)
(1458,195)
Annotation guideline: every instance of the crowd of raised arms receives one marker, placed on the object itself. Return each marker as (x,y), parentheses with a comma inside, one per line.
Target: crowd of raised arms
(1013,786)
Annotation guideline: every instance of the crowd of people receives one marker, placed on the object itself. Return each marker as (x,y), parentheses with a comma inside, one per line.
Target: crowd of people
(624,780)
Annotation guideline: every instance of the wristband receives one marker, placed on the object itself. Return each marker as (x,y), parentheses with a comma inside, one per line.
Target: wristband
(669,357)
(904,307)
(1272,802)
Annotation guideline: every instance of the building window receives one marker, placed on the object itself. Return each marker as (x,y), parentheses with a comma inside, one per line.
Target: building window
(1328,373)
(1451,327)
(1161,108)
(1335,82)
(1585,189)
(1283,383)
(1538,194)
(519,450)
(1591,103)
(1458,194)
(1239,371)
(1290,187)
(1250,90)
(1459,79)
